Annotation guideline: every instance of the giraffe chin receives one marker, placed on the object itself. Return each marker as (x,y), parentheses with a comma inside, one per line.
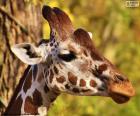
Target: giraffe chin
(119,98)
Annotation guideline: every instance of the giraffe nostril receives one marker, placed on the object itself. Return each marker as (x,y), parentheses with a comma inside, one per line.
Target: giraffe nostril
(120,78)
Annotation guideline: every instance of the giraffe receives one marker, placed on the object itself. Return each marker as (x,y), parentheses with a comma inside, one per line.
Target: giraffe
(66,63)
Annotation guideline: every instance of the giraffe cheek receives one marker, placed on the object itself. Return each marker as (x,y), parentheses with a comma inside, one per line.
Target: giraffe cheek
(85,66)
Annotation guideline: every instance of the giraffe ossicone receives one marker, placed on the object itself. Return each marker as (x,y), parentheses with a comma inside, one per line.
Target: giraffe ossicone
(68,62)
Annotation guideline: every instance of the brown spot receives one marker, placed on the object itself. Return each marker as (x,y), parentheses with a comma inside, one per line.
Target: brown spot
(37,98)
(82,82)
(55,70)
(29,106)
(93,83)
(51,76)
(72,78)
(102,68)
(16,107)
(28,82)
(61,79)
(76,90)
(46,89)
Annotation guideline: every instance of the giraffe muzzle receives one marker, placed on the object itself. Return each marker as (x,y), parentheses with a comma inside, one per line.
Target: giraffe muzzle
(121,92)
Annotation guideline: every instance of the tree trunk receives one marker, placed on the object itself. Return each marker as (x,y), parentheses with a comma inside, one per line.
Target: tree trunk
(19,22)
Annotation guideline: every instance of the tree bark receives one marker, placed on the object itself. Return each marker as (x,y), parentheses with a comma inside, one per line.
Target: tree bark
(19,22)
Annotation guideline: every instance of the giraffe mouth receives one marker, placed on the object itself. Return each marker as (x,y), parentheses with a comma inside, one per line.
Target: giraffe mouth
(121,93)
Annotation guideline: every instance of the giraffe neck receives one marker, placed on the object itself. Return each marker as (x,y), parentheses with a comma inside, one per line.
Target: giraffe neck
(31,94)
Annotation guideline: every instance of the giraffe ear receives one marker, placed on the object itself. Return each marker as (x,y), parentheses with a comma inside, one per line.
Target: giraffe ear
(27,53)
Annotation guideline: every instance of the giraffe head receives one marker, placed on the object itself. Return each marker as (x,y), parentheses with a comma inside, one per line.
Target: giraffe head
(71,62)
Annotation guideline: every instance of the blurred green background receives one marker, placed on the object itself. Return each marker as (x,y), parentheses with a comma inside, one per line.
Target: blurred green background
(116,33)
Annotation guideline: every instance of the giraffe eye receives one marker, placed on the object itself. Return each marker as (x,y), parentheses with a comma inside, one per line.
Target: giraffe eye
(69,56)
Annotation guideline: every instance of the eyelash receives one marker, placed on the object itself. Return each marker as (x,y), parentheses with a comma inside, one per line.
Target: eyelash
(67,57)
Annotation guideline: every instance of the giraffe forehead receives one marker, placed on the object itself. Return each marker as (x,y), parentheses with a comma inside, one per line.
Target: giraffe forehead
(48,49)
